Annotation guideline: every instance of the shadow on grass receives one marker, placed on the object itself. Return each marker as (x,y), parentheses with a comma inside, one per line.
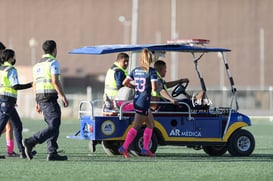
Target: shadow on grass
(169,157)
(224,158)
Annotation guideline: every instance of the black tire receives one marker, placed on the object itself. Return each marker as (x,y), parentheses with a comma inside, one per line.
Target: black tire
(241,143)
(215,150)
(111,147)
(137,144)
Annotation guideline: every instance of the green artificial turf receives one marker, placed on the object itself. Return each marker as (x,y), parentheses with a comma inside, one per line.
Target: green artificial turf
(171,162)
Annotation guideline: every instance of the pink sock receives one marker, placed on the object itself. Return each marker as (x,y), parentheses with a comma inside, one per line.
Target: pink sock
(129,138)
(147,135)
(10,146)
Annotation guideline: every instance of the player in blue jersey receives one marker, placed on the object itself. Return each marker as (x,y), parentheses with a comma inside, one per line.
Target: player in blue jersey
(145,79)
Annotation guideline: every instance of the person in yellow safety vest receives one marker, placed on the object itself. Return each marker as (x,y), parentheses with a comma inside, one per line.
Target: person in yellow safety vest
(113,82)
(9,84)
(196,101)
(9,129)
(114,78)
(161,68)
(47,87)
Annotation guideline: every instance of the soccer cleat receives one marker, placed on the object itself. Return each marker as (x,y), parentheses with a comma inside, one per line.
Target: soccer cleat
(123,152)
(13,155)
(2,157)
(28,148)
(56,157)
(147,153)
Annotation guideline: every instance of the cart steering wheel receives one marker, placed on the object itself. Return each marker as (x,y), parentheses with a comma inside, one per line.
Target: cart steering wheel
(180,89)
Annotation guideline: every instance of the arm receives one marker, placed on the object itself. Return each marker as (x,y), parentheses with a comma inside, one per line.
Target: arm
(58,87)
(119,77)
(127,83)
(167,96)
(13,78)
(22,86)
(154,86)
(37,107)
(175,82)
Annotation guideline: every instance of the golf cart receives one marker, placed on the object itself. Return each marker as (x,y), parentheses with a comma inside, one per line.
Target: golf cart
(216,130)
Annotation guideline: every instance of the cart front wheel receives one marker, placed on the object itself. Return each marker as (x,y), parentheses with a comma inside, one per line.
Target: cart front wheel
(241,143)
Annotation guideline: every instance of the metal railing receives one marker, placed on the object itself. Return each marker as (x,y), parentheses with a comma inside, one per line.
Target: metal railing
(251,102)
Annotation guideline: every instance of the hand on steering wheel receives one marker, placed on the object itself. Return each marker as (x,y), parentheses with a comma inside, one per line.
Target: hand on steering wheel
(180,89)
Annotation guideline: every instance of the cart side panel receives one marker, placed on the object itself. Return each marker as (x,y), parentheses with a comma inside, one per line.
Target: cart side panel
(103,127)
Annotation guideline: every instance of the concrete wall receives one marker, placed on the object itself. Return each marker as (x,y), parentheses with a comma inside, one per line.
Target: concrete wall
(233,24)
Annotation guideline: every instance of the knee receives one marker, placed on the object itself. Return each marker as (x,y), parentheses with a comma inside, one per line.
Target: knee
(8,127)
(52,128)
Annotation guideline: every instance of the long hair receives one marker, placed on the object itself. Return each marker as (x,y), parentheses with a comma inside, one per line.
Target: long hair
(145,59)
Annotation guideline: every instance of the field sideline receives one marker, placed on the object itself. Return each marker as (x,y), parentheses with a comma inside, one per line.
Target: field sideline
(171,163)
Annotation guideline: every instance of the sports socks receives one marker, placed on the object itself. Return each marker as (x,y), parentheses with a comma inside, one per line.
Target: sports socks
(129,138)
(147,135)
(10,146)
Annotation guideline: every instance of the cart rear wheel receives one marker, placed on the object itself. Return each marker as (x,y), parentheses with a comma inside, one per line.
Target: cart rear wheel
(215,150)
(137,144)
(111,147)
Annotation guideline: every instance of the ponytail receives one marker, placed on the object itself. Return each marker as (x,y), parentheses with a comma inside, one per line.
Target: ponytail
(145,59)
